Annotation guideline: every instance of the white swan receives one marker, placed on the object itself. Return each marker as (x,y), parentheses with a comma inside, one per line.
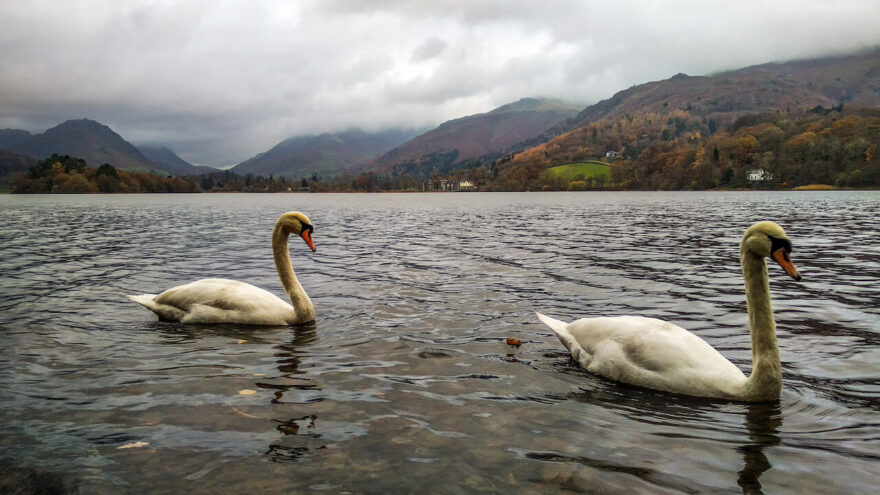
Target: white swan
(216,300)
(656,354)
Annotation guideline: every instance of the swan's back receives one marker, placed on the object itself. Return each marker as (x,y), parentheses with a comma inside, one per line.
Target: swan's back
(648,352)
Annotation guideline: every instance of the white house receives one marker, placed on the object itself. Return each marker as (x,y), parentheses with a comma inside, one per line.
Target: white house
(611,154)
(448,185)
(466,185)
(758,175)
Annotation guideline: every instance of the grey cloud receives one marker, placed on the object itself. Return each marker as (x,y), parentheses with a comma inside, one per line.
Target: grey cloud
(429,49)
(219,83)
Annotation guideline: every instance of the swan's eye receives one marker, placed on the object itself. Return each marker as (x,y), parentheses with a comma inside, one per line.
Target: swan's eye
(777,243)
(306,228)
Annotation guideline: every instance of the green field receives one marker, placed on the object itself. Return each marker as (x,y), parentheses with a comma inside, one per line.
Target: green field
(577,171)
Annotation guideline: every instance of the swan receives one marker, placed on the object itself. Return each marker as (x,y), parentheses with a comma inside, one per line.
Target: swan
(656,354)
(217,300)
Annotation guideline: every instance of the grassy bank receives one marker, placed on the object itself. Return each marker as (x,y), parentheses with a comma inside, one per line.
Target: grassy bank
(578,171)
(815,187)
(576,176)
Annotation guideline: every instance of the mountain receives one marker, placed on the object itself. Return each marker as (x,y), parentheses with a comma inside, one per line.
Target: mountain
(458,141)
(168,161)
(324,154)
(11,137)
(827,82)
(801,122)
(95,143)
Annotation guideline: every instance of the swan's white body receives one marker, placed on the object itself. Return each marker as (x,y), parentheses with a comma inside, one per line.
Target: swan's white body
(217,300)
(652,353)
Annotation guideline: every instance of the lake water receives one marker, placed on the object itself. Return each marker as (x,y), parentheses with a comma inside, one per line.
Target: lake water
(405,383)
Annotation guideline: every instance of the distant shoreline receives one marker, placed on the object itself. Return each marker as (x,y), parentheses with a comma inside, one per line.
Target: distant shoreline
(796,189)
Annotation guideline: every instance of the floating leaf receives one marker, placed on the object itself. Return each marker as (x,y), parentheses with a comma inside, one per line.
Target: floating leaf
(247,391)
(135,445)
(514,342)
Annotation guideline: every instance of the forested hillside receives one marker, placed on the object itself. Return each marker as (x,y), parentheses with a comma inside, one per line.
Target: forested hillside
(677,150)
(791,124)
(454,143)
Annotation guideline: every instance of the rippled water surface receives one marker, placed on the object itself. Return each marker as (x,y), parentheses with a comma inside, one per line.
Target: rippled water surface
(405,383)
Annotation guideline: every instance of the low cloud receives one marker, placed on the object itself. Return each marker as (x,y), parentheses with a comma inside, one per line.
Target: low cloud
(220,83)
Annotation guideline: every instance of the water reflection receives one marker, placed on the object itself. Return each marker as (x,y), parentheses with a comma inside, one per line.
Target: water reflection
(763,421)
(289,358)
(177,333)
(679,418)
(409,371)
(299,436)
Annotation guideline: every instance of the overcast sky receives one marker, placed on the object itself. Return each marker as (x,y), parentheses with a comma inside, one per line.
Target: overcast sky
(219,81)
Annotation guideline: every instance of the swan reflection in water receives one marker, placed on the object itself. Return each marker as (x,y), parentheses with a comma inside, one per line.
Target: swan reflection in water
(298,437)
(763,421)
(290,356)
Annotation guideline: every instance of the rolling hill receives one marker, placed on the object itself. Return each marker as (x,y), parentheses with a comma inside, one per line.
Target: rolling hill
(785,86)
(324,154)
(461,140)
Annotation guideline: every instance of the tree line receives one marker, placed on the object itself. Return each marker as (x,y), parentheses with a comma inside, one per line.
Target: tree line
(64,174)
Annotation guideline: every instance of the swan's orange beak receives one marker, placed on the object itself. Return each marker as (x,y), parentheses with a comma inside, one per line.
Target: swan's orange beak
(307,236)
(781,257)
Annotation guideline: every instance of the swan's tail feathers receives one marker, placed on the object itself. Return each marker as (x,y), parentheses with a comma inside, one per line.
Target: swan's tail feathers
(164,311)
(144,299)
(554,324)
(560,328)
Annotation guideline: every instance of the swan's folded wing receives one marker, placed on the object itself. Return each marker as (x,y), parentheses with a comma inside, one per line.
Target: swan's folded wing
(221,294)
(655,354)
(219,301)
(653,344)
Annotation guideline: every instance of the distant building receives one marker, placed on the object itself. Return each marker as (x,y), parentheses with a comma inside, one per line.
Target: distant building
(611,154)
(435,185)
(758,175)
(448,185)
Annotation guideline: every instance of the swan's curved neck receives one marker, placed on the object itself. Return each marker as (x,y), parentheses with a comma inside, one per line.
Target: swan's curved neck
(298,297)
(765,383)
